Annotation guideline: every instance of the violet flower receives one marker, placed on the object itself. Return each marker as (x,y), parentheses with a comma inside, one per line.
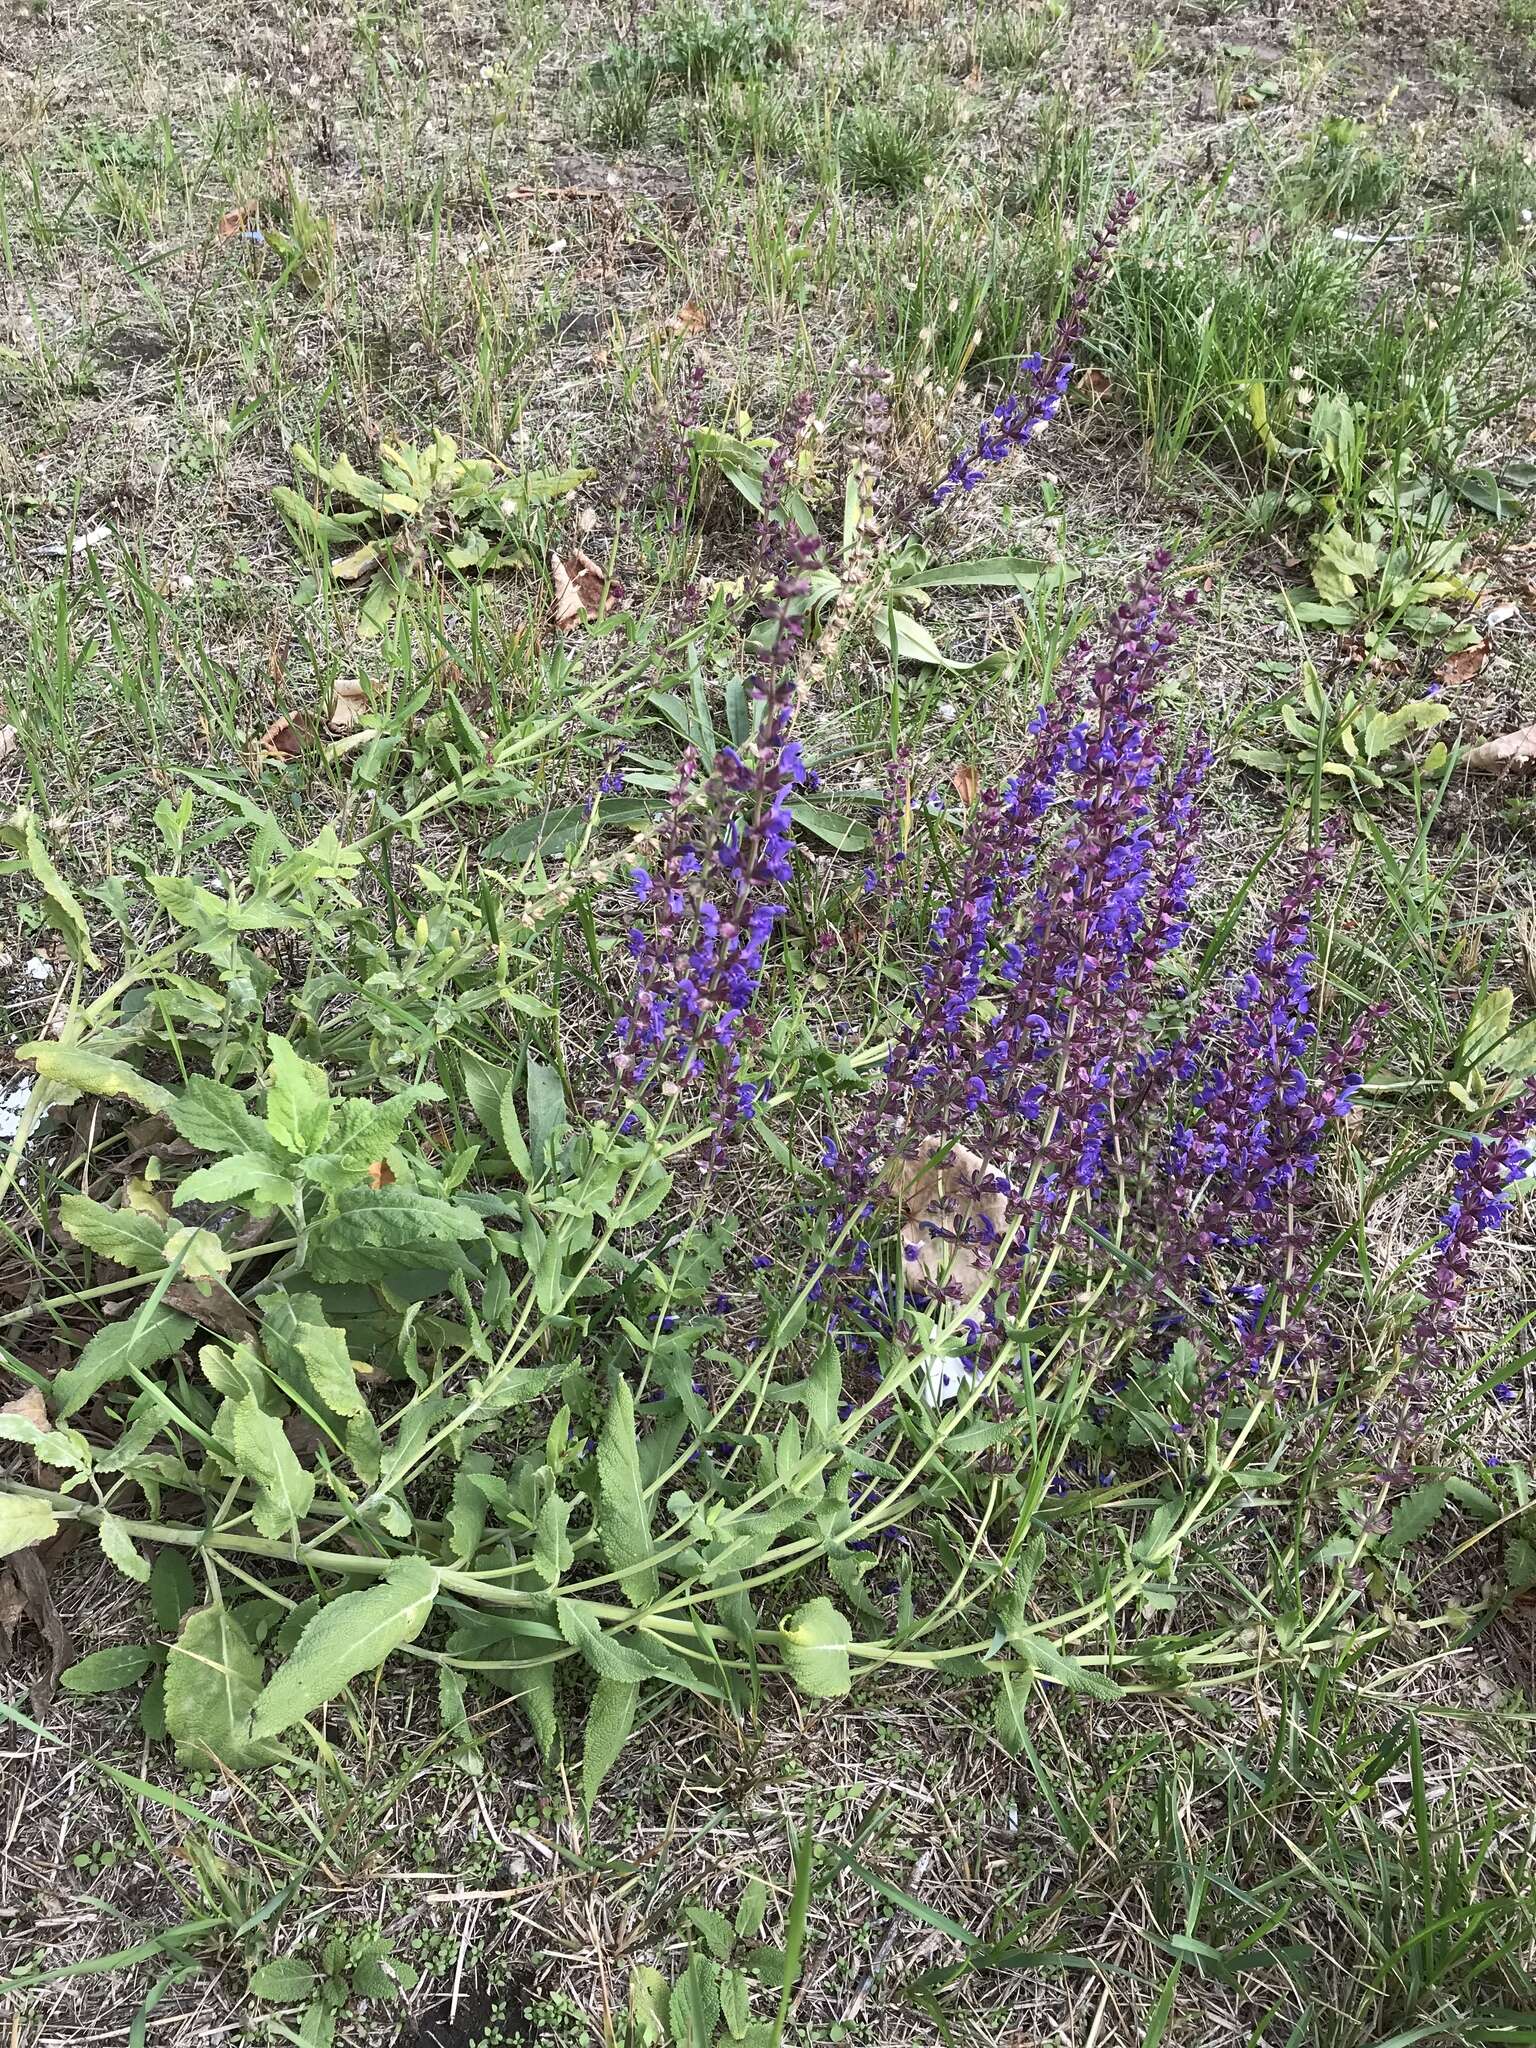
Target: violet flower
(1025,414)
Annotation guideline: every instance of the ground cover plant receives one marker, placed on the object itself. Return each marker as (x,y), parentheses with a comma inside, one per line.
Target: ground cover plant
(764,840)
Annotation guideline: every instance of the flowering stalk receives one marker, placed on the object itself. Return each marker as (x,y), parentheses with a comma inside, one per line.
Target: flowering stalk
(1486,1171)
(1026,413)
(715,892)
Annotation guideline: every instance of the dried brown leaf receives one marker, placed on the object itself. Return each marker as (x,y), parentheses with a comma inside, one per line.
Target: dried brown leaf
(349,701)
(237,220)
(282,741)
(579,589)
(379,1175)
(29,1405)
(1513,753)
(10,740)
(953,1213)
(690,318)
(1094,384)
(967,782)
(1470,662)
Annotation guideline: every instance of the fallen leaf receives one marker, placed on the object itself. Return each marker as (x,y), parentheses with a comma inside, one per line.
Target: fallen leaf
(1513,753)
(1470,662)
(967,783)
(282,741)
(9,741)
(379,1175)
(24,1596)
(30,1406)
(579,590)
(954,1211)
(690,318)
(1095,383)
(349,701)
(237,220)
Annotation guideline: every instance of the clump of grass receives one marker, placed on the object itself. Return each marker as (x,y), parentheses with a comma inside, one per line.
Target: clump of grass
(1496,196)
(619,96)
(1018,41)
(1348,175)
(1197,342)
(895,149)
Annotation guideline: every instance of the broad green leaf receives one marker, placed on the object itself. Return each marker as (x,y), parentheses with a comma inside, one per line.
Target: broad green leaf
(264,1454)
(118,1546)
(694,2012)
(283,1981)
(552,1551)
(715,1928)
(814,1641)
(1000,572)
(609,1720)
(24,1522)
(1520,1564)
(299,512)
(379,1973)
(397,1219)
(910,640)
(347,1637)
(145,1339)
(456,1722)
(212,1678)
(248,1177)
(20,831)
(751,1910)
(298,1100)
(214,1119)
(171,1592)
(649,2000)
(64,1447)
(1008,1716)
(1043,1657)
(92,1073)
(544,1092)
(610,1656)
(1414,1516)
(623,1521)
(327,1361)
(107,1670)
(122,1235)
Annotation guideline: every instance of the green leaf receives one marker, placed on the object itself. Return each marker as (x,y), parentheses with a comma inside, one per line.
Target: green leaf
(715,1928)
(298,1100)
(118,1546)
(694,2011)
(283,1981)
(1043,1657)
(248,1177)
(552,1553)
(145,1339)
(394,1219)
(1520,1564)
(544,1094)
(1008,1717)
(24,1522)
(92,1073)
(609,1720)
(66,1447)
(814,1641)
(456,1722)
(107,1670)
(910,640)
(623,1521)
(1414,1516)
(1001,572)
(214,1119)
(751,1910)
(608,1654)
(171,1592)
(264,1454)
(327,1361)
(843,834)
(122,1235)
(346,1638)
(20,831)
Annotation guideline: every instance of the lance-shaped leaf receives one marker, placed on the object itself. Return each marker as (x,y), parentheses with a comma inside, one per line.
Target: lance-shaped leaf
(346,1638)
(212,1679)
(623,1523)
